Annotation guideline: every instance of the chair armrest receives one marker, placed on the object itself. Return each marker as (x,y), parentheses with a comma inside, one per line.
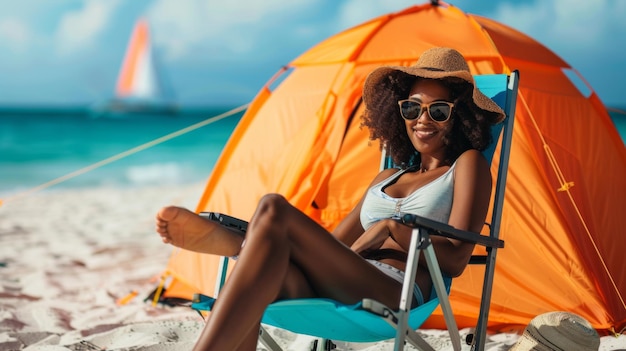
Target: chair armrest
(443,229)
(239,226)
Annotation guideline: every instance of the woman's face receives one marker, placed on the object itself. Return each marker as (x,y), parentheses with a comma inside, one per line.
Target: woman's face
(426,134)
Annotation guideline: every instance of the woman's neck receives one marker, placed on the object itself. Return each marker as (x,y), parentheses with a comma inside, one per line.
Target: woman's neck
(430,163)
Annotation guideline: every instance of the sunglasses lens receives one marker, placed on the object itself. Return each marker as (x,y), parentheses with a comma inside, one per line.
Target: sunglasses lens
(439,111)
(410,109)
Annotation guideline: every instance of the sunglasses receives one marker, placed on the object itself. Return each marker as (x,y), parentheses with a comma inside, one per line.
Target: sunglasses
(438,111)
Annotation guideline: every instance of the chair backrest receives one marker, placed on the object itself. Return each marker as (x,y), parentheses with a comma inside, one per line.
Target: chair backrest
(503,90)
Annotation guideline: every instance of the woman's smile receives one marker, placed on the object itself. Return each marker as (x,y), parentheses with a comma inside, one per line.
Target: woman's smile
(424,134)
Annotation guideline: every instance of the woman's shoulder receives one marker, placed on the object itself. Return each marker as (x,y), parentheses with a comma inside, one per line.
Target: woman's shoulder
(471,160)
(385,174)
(471,155)
(388,172)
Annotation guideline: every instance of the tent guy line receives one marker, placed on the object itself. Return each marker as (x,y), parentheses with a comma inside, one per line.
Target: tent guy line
(124,154)
(565,188)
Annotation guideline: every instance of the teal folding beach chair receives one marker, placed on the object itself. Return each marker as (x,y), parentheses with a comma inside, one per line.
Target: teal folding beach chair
(369,320)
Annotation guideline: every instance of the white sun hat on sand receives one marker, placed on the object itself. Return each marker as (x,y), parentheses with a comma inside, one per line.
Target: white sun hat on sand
(556,331)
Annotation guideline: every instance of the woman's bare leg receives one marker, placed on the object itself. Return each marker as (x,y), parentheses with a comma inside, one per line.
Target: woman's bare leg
(185,229)
(250,341)
(281,239)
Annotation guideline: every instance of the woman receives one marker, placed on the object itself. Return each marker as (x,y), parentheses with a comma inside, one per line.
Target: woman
(435,122)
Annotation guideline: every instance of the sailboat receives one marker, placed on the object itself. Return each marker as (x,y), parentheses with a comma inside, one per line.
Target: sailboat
(139,88)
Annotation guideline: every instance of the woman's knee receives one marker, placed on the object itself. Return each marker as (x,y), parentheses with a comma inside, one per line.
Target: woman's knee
(271,205)
(270,211)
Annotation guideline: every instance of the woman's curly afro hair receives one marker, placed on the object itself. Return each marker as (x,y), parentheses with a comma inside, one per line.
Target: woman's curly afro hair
(470,130)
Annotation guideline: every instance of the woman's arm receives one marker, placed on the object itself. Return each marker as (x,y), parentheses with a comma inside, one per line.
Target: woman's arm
(373,237)
(350,228)
(472,192)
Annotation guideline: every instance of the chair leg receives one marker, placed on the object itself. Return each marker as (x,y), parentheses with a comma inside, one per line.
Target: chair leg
(480,334)
(266,339)
(417,341)
(444,301)
(407,290)
(323,345)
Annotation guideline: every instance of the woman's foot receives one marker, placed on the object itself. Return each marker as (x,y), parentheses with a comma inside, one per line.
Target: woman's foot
(185,229)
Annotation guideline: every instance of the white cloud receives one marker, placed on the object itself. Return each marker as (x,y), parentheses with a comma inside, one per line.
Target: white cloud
(224,26)
(589,35)
(354,12)
(567,25)
(81,28)
(15,33)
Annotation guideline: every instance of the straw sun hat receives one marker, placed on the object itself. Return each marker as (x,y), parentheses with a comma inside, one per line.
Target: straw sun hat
(434,63)
(556,331)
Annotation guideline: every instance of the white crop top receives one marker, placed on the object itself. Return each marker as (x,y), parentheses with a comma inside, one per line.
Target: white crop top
(432,200)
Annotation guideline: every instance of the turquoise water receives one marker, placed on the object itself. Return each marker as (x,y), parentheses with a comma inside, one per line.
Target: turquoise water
(39,146)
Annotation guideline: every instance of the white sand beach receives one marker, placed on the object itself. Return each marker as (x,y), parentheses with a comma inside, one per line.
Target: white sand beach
(67,257)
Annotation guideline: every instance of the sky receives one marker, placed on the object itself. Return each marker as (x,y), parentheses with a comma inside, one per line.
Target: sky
(69,52)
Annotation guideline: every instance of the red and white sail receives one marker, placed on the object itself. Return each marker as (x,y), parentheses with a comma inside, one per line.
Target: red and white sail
(137,78)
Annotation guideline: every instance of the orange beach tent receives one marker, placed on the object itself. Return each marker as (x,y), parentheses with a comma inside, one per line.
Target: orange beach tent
(563,219)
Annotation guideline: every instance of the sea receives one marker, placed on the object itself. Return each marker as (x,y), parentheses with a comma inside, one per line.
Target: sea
(48,149)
